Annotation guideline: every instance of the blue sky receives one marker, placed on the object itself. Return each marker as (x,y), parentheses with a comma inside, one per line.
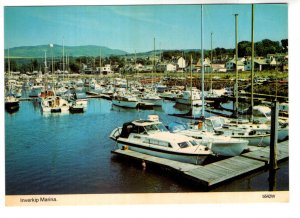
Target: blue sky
(132,28)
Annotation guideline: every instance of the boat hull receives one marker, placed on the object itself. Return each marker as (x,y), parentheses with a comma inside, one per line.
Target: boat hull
(12,106)
(228,149)
(188,102)
(127,104)
(197,159)
(155,102)
(260,141)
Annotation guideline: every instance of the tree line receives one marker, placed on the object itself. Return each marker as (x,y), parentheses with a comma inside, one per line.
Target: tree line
(220,55)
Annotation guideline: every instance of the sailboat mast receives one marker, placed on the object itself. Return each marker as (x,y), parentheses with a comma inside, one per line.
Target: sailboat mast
(191,83)
(8,62)
(236,65)
(45,71)
(153,62)
(63,56)
(211,57)
(100,62)
(202,63)
(252,61)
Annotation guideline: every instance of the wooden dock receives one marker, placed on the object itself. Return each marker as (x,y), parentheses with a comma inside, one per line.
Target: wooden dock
(217,172)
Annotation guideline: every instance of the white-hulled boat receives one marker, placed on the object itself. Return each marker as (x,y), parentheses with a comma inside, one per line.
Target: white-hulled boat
(219,144)
(256,134)
(54,104)
(189,97)
(151,137)
(125,100)
(152,98)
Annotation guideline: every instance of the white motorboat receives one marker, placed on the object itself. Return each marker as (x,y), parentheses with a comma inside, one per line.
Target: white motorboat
(189,97)
(256,134)
(219,144)
(152,98)
(125,100)
(151,137)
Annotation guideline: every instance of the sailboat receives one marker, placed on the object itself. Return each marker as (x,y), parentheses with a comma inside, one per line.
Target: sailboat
(52,103)
(257,133)
(219,144)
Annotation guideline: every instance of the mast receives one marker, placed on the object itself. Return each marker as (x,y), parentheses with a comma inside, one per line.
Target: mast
(191,86)
(236,65)
(52,69)
(45,71)
(8,62)
(153,62)
(137,72)
(202,67)
(211,57)
(252,61)
(100,62)
(63,56)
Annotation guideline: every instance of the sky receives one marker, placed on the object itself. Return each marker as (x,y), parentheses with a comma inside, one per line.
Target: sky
(133,27)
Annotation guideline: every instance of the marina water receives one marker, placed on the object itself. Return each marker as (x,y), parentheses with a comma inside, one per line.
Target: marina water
(71,154)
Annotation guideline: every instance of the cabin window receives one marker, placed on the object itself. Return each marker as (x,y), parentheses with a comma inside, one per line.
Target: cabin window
(193,142)
(183,144)
(154,142)
(150,128)
(138,129)
(217,123)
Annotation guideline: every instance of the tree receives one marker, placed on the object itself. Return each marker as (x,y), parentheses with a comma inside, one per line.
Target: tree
(244,48)
(284,44)
(34,64)
(74,67)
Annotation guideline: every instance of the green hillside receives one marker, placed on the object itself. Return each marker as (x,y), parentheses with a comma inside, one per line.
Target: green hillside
(75,51)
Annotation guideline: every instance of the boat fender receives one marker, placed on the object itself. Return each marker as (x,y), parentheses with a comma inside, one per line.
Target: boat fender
(209,145)
(125,147)
(144,164)
(200,124)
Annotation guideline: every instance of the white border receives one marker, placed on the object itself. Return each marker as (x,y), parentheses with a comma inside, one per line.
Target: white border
(194,210)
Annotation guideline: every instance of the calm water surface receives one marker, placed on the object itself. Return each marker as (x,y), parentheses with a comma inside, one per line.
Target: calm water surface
(71,154)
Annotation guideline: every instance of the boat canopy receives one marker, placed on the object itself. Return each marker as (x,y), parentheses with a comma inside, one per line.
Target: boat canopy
(141,127)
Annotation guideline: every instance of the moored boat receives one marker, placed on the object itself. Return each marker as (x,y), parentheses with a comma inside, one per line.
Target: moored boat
(125,100)
(11,103)
(151,137)
(219,144)
(54,104)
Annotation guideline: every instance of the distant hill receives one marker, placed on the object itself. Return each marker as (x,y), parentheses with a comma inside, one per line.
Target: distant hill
(75,51)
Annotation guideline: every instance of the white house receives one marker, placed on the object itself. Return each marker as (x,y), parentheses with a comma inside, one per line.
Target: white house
(230,65)
(181,63)
(106,69)
(166,67)
(139,67)
(206,64)
(259,64)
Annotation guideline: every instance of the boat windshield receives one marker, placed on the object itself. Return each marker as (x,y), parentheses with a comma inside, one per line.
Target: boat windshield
(217,123)
(183,144)
(193,142)
(156,128)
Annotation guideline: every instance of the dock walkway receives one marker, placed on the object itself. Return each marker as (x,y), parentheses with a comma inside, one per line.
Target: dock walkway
(217,172)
